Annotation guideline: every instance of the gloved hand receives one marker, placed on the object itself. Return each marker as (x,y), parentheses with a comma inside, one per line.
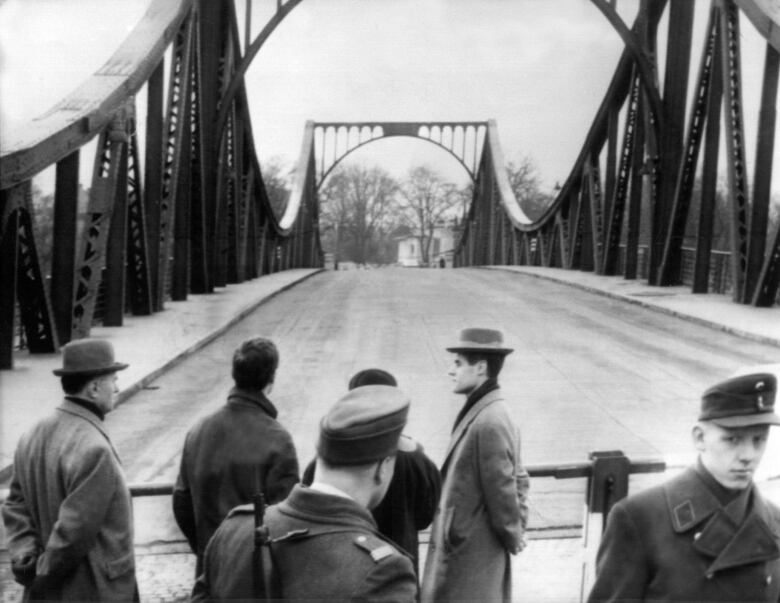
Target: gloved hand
(24,569)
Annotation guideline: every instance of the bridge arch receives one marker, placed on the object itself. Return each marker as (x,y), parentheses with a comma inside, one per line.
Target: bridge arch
(334,141)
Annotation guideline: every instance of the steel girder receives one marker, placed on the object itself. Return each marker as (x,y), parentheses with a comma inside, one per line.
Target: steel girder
(153,234)
(336,140)
(616,193)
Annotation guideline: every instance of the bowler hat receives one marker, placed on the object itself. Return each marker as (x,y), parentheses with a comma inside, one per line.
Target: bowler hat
(363,426)
(741,401)
(486,341)
(88,357)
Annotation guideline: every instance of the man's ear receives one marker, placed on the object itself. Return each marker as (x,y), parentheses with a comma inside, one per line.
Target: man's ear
(482,368)
(697,434)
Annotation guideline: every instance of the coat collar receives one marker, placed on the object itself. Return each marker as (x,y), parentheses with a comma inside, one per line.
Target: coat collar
(246,397)
(72,408)
(488,399)
(692,505)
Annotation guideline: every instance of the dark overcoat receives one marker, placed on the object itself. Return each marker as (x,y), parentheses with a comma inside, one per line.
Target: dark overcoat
(482,512)
(676,542)
(69,505)
(325,547)
(228,457)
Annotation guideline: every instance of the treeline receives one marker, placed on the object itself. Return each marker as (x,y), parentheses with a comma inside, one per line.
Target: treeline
(364,211)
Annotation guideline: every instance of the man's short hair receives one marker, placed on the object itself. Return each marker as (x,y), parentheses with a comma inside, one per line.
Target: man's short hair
(73,384)
(372,376)
(255,363)
(495,362)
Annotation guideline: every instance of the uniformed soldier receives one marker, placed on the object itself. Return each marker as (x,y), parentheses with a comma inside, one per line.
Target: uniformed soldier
(324,541)
(707,534)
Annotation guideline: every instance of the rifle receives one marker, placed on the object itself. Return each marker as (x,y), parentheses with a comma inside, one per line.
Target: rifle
(262,552)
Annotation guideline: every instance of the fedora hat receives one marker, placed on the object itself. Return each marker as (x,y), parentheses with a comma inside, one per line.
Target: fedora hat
(88,357)
(488,341)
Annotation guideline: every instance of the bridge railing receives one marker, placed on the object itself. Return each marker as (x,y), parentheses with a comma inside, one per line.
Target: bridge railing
(639,152)
(607,476)
(192,216)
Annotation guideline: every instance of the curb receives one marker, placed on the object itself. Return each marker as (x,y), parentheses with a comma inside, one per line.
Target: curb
(134,388)
(639,302)
(128,392)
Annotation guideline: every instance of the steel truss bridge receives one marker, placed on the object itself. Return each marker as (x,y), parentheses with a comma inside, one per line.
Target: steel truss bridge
(198,216)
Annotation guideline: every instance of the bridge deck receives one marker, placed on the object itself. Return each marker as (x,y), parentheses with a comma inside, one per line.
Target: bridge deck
(588,373)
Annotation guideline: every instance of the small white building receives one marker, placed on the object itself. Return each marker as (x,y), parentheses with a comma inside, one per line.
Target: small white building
(441,248)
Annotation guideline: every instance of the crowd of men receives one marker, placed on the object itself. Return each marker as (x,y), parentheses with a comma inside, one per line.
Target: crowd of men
(349,529)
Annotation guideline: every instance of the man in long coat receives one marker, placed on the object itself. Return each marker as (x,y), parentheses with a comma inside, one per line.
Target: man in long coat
(707,534)
(236,452)
(324,543)
(482,512)
(68,516)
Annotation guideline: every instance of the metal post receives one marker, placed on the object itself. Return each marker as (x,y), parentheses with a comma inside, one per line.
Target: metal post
(608,483)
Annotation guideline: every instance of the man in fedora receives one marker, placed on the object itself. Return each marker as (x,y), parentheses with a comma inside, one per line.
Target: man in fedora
(706,534)
(68,515)
(325,544)
(482,512)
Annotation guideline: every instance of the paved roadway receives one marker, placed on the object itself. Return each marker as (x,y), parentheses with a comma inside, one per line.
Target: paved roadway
(588,372)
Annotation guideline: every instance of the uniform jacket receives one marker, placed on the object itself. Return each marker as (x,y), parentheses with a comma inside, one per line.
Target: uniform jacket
(411,498)
(676,542)
(229,456)
(325,547)
(69,505)
(482,513)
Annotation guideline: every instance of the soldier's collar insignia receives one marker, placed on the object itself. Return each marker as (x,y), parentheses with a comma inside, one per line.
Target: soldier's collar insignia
(684,515)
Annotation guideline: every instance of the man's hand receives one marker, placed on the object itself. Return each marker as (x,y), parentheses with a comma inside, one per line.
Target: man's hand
(24,569)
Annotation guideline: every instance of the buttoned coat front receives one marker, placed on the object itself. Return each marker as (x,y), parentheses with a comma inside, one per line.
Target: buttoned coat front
(69,505)
(482,512)
(675,542)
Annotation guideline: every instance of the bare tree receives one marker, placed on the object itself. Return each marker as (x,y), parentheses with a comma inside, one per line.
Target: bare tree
(277,178)
(426,200)
(524,180)
(357,205)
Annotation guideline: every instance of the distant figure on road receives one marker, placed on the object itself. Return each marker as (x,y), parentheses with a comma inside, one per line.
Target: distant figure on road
(707,534)
(324,543)
(68,515)
(235,452)
(482,513)
(414,491)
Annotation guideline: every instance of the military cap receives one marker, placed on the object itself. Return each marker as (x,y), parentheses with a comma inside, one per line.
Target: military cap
(741,401)
(488,341)
(363,426)
(88,357)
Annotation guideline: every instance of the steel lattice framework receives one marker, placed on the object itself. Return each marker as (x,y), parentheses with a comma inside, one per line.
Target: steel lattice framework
(197,216)
(639,162)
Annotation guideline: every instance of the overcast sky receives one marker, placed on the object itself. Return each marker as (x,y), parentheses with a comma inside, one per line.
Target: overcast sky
(539,67)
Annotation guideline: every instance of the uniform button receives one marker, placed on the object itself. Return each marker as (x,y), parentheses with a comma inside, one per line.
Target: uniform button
(768,580)
(361,538)
(709,576)
(697,535)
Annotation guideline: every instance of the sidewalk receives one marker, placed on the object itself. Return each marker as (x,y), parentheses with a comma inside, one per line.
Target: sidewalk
(709,309)
(149,344)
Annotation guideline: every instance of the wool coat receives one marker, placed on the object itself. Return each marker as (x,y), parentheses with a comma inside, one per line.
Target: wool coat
(70,507)
(229,456)
(676,542)
(324,547)
(482,512)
